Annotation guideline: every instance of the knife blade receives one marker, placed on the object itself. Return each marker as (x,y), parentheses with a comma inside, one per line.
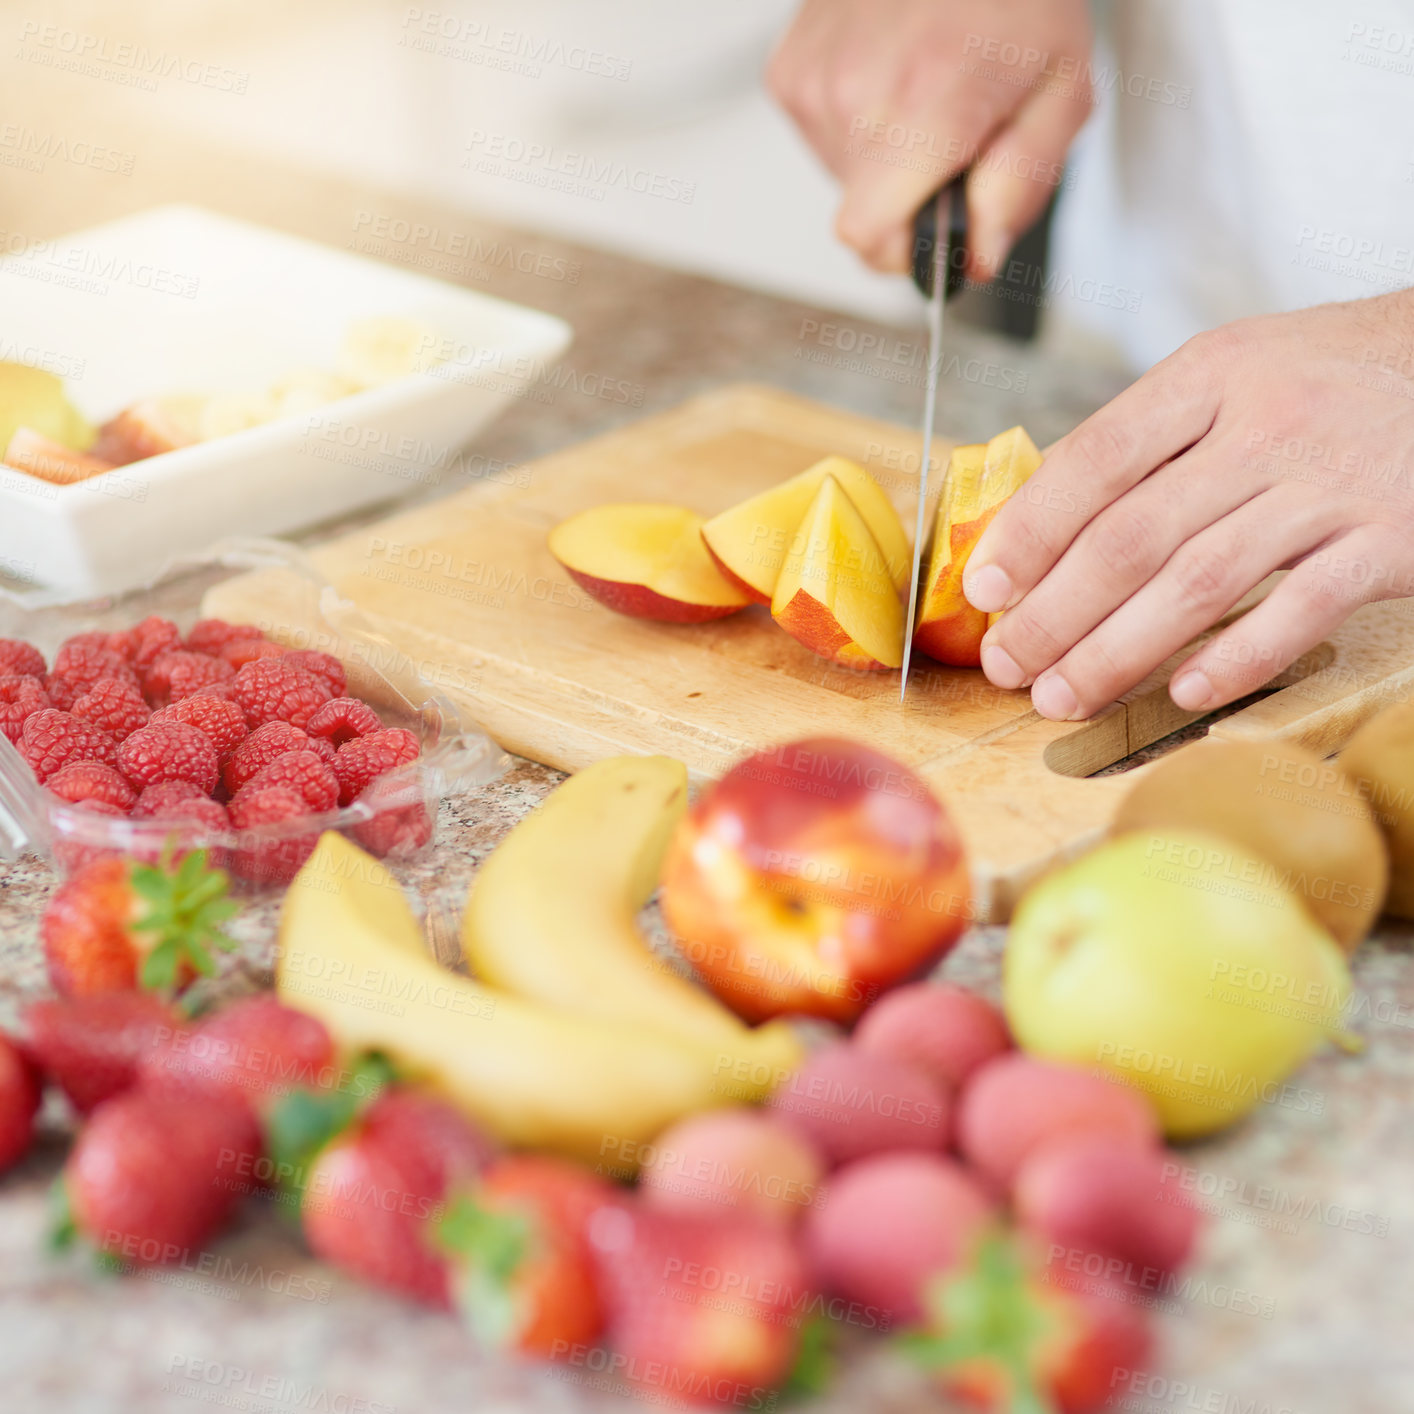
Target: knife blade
(939,236)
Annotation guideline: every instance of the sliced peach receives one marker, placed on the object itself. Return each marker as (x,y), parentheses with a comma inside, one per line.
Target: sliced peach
(979,478)
(36,454)
(750,541)
(835,592)
(148,428)
(646,561)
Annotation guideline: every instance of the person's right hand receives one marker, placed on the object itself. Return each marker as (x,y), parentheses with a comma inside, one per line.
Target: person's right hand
(897,96)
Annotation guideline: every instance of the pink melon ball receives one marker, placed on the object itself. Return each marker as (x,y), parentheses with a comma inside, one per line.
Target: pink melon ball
(737,1158)
(850,1103)
(887,1225)
(944,1030)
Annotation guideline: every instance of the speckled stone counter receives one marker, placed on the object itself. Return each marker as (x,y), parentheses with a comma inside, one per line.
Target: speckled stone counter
(1302,1300)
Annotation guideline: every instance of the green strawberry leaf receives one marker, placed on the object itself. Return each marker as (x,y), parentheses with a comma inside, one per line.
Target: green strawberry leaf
(489,1247)
(186,906)
(987,1311)
(62,1229)
(305,1120)
(816,1360)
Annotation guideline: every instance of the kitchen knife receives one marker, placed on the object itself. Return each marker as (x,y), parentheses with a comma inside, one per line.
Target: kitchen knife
(939,255)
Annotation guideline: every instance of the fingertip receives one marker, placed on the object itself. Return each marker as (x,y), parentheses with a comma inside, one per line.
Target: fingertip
(988,588)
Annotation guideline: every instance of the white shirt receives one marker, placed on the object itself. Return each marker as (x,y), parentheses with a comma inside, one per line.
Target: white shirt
(1248,156)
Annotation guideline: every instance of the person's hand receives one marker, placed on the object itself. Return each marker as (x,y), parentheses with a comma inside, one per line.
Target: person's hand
(1280,442)
(897,96)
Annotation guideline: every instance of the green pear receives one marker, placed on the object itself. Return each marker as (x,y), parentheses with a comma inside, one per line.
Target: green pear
(1176,963)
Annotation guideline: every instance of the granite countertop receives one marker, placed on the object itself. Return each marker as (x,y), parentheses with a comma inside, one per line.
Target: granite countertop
(1300,1300)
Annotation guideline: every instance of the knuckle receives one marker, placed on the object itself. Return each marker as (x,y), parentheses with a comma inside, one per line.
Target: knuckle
(1203,576)
(1124,543)
(1031,642)
(1100,445)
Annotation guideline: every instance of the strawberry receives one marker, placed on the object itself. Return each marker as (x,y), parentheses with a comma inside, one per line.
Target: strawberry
(180,672)
(1004,1338)
(169,751)
(90,1046)
(343,718)
(20,659)
(397,830)
(212,635)
(83,781)
(50,739)
(218,718)
(149,1179)
(524,1271)
(274,860)
(78,666)
(20,698)
(321,665)
(303,772)
(268,690)
(115,924)
(263,745)
(19,1100)
(157,800)
(663,1278)
(146,641)
(241,651)
(373,1197)
(115,705)
(255,1050)
(366,757)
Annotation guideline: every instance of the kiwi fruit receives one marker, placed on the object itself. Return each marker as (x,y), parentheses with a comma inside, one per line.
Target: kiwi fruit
(1379,762)
(1288,806)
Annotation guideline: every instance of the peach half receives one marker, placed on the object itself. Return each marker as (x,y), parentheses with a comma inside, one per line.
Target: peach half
(646,561)
(835,592)
(979,479)
(751,541)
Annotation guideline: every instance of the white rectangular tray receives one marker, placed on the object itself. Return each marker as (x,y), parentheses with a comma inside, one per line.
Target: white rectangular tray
(179,299)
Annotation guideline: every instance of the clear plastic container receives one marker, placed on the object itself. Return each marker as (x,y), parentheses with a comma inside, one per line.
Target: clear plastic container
(394,817)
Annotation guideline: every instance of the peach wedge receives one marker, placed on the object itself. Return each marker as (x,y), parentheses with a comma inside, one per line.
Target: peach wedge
(835,592)
(646,561)
(750,541)
(979,478)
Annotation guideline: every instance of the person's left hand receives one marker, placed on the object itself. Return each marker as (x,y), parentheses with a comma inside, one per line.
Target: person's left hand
(1279,442)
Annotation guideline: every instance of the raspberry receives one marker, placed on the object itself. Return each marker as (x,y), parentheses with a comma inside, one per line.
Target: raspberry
(50,739)
(212,635)
(20,659)
(114,704)
(95,638)
(221,719)
(226,691)
(83,782)
(179,673)
(71,855)
(164,796)
(145,642)
(269,691)
(324,666)
(170,751)
(365,757)
(301,771)
(20,697)
(248,650)
(399,830)
(270,861)
(343,718)
(259,749)
(77,666)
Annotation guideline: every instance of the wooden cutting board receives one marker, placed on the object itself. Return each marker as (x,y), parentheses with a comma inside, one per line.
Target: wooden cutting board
(467,590)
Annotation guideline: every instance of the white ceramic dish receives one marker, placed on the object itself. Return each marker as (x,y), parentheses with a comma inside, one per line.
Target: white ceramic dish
(181,299)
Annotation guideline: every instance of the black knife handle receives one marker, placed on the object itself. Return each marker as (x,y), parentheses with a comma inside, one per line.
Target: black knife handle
(925,237)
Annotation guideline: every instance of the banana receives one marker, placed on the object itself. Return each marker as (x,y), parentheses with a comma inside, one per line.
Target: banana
(351,954)
(552,913)
(225,413)
(380,349)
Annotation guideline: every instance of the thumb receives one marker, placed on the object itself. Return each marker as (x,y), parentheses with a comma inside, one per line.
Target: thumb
(1017,174)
